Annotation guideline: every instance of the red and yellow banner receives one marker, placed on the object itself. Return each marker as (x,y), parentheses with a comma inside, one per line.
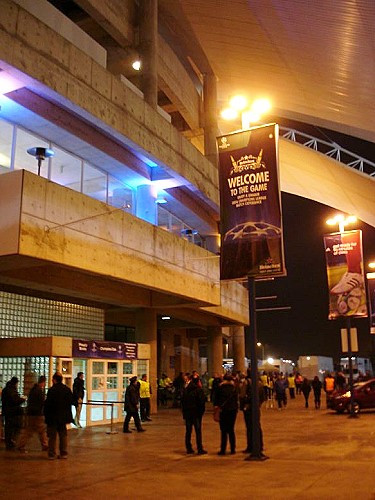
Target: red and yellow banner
(250,204)
(346,280)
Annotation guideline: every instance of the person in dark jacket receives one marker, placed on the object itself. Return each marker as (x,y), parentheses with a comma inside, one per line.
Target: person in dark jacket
(58,413)
(35,418)
(317,388)
(227,400)
(131,406)
(193,403)
(12,412)
(306,389)
(78,395)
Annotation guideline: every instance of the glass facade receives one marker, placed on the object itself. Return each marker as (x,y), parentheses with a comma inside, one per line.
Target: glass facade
(73,172)
(24,316)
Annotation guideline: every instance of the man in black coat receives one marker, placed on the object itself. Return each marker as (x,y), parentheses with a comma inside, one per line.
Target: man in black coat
(193,404)
(12,412)
(131,406)
(58,413)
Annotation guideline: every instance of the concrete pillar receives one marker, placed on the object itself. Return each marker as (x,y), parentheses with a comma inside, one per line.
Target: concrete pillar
(148,38)
(210,127)
(146,208)
(213,243)
(238,342)
(146,333)
(214,350)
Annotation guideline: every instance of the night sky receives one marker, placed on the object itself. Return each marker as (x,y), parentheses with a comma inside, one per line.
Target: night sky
(305,328)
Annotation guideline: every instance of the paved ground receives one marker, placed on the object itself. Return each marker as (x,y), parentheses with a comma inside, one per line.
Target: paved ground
(313,455)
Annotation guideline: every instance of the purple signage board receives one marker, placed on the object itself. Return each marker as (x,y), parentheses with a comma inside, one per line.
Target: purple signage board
(250,204)
(346,280)
(104,349)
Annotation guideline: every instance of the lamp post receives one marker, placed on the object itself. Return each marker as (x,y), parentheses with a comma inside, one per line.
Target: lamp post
(249,114)
(343,221)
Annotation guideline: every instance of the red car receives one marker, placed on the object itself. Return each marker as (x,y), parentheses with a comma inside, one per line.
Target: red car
(364,397)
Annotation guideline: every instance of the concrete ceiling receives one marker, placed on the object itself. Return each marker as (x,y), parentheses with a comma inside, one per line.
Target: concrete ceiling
(314,60)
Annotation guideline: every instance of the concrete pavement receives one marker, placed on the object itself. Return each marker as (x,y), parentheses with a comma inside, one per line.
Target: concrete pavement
(314,454)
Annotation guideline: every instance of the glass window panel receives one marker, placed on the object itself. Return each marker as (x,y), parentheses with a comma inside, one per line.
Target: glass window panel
(66,169)
(6,135)
(97,367)
(127,368)
(22,159)
(120,195)
(112,367)
(163,218)
(112,396)
(112,382)
(94,182)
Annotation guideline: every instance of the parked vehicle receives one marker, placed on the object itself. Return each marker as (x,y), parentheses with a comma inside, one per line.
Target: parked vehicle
(364,397)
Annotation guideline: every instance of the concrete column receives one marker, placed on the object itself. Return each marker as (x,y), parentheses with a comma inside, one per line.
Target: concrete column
(146,208)
(238,342)
(210,127)
(146,333)
(148,38)
(213,243)
(214,350)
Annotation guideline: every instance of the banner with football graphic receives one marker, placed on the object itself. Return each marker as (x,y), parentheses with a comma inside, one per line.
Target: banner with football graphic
(250,204)
(346,280)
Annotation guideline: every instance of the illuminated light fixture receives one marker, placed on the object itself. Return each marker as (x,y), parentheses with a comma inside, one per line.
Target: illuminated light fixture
(270,361)
(238,102)
(238,105)
(40,154)
(136,65)
(189,232)
(371,265)
(8,83)
(341,221)
(165,317)
(160,200)
(229,114)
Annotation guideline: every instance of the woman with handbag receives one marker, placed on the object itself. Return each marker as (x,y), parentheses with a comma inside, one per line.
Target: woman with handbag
(227,400)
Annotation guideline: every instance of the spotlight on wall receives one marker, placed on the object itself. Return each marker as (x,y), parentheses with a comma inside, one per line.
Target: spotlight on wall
(40,154)
(136,65)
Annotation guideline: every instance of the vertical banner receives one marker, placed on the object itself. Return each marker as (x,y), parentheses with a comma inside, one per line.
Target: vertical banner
(251,222)
(346,281)
(371,295)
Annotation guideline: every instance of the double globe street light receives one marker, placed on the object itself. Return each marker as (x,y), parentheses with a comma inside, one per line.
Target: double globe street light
(239,106)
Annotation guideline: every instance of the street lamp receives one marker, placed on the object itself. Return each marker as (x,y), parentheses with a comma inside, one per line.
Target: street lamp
(250,113)
(341,221)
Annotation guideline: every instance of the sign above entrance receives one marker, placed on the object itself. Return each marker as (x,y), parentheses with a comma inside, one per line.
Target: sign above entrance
(103,349)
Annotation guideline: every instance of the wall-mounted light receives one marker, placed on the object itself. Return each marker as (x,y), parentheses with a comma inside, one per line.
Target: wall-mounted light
(136,65)
(165,318)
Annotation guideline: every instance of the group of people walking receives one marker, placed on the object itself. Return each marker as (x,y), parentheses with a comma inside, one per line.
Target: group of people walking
(46,416)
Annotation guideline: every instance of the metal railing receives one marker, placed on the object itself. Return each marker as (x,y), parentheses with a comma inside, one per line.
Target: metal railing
(331,149)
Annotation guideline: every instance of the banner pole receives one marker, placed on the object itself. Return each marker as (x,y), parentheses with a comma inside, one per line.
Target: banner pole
(256,453)
(352,413)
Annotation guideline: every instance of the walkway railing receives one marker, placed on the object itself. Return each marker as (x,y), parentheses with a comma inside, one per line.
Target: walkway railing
(331,149)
